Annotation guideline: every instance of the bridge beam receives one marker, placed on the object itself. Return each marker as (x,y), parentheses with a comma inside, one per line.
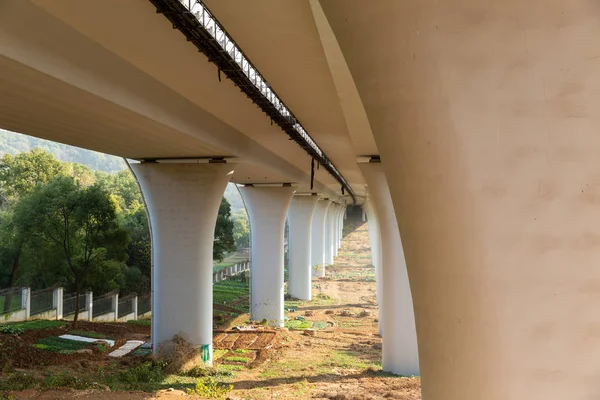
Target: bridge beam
(183,202)
(300,217)
(267,207)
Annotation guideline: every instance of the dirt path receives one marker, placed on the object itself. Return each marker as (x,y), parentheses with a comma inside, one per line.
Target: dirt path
(339,362)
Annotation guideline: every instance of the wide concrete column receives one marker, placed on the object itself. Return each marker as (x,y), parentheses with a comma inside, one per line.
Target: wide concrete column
(267,207)
(318,237)
(488,131)
(400,350)
(375,243)
(183,201)
(300,216)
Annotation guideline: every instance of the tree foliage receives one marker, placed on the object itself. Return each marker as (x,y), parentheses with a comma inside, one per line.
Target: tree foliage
(224,242)
(64,223)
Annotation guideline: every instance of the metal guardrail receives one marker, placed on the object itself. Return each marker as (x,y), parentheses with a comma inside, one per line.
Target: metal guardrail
(193,19)
(69,302)
(42,301)
(13,297)
(144,304)
(126,305)
(102,305)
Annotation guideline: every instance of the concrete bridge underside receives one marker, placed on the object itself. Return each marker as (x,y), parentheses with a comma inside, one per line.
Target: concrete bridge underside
(484,115)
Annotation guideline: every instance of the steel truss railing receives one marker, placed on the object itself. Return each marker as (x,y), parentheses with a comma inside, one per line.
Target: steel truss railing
(199,26)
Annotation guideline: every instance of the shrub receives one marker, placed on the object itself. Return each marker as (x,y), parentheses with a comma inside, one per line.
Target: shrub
(210,388)
(11,330)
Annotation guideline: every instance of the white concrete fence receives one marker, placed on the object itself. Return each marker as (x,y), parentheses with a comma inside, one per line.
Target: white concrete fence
(235,269)
(54,303)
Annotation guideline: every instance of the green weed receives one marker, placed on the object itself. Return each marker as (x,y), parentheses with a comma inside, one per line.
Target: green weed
(210,388)
(237,359)
(17,381)
(60,345)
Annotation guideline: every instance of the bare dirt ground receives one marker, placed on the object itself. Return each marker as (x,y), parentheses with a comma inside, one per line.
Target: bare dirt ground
(341,360)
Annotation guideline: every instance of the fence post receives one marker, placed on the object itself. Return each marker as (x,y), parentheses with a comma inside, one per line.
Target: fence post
(26,302)
(89,299)
(135,307)
(57,302)
(115,305)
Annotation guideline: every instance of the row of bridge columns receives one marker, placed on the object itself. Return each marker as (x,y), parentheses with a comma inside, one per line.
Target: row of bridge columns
(183,202)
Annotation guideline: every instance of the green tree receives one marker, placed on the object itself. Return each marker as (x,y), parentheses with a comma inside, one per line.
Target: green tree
(241,229)
(81,224)
(224,242)
(21,173)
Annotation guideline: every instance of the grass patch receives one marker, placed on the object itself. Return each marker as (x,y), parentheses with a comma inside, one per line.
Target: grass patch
(227,292)
(241,351)
(237,359)
(17,381)
(143,322)
(320,325)
(349,360)
(37,325)
(231,367)
(219,353)
(93,335)
(209,388)
(297,324)
(60,345)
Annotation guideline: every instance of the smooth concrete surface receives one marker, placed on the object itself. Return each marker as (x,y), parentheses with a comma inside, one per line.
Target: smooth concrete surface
(375,244)
(336,226)
(318,238)
(329,235)
(183,202)
(399,348)
(267,207)
(485,117)
(300,216)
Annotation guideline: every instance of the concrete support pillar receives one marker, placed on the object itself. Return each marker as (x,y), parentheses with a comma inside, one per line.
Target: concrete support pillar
(300,216)
(340,227)
(329,239)
(134,303)
(183,201)
(375,243)
(336,229)
(57,302)
(400,350)
(267,208)
(115,305)
(26,302)
(318,238)
(89,304)
(364,214)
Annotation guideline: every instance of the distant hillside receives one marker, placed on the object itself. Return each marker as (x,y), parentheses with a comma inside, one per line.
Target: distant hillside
(13,143)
